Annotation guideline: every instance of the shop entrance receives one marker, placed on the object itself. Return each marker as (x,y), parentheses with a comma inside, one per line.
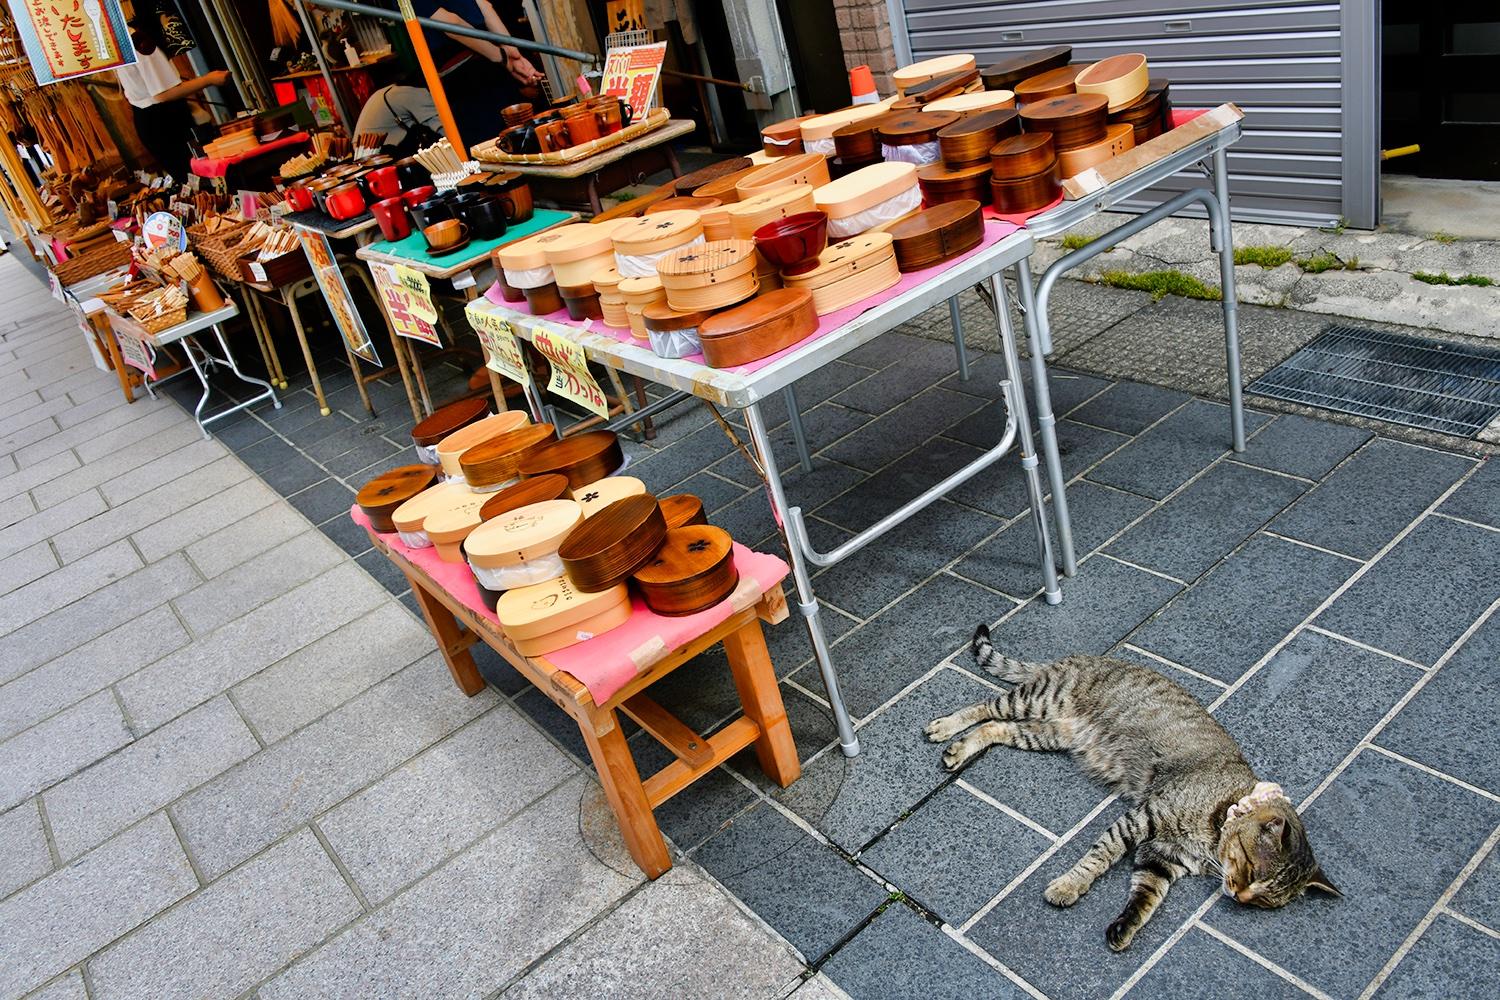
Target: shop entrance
(1440,71)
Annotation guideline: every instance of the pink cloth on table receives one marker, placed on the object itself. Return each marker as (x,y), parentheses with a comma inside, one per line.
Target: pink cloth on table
(218,166)
(610,660)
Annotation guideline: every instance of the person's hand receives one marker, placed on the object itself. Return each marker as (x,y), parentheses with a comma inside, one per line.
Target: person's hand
(217,77)
(520,67)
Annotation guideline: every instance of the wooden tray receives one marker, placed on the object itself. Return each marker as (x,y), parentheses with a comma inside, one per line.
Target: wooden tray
(941,183)
(758,328)
(693,570)
(689,183)
(1121,79)
(934,235)
(1053,83)
(537,489)
(447,419)
(969,140)
(498,459)
(1004,74)
(380,497)
(682,509)
(848,272)
(598,495)
(711,276)
(913,127)
(489,151)
(583,458)
(607,548)
(1074,120)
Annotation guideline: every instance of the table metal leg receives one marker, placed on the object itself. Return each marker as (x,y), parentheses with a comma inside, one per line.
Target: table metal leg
(258,330)
(187,348)
(1046,421)
(1016,399)
(1223,235)
(228,358)
(807,601)
(799,433)
(959,347)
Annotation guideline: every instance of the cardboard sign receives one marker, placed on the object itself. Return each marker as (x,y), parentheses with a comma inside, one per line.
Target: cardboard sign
(65,39)
(407,300)
(570,369)
(330,280)
(631,73)
(164,229)
(502,352)
(135,351)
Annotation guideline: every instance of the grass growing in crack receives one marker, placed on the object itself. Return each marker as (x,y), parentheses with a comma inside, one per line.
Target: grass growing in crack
(1444,278)
(1337,229)
(1267,257)
(1161,284)
(1442,237)
(1076,241)
(1324,261)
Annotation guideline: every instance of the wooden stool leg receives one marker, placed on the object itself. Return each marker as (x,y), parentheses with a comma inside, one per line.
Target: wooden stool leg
(452,639)
(312,369)
(627,797)
(755,680)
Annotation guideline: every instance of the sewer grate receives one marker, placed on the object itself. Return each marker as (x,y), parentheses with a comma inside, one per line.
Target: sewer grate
(1437,386)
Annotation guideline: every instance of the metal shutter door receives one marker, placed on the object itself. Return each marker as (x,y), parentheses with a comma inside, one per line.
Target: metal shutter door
(1279,62)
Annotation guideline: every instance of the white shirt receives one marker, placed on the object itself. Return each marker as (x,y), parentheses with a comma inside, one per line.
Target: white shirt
(147,77)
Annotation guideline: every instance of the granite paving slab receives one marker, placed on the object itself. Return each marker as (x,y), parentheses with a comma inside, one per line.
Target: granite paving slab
(901,955)
(1302,446)
(1170,453)
(25,857)
(1450,959)
(1479,898)
(1046,788)
(900,429)
(1128,407)
(25,566)
(63,744)
(1478,499)
(1201,967)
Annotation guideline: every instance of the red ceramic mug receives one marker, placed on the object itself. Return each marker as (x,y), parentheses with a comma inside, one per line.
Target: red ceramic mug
(345,202)
(394,219)
(383,183)
(300,198)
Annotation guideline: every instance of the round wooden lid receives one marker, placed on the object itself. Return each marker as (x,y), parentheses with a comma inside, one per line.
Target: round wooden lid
(614,543)
(940,176)
(841,260)
(655,233)
(523,533)
(919,72)
(1009,70)
(865,188)
(706,264)
(454,524)
(1073,119)
(543,608)
(380,497)
(689,182)
(984,123)
(691,204)
(498,459)
(661,317)
(600,494)
(450,448)
(682,508)
(528,491)
(1022,155)
(579,241)
(1120,79)
(913,127)
(687,552)
(522,255)
(787,171)
(447,419)
(583,458)
(968,104)
(1053,83)
(606,279)
(453,494)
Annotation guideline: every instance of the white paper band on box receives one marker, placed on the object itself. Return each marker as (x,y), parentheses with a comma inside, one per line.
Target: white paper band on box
(824,146)
(427,454)
(644,265)
(675,343)
(533,277)
(892,208)
(538,570)
(921,153)
(415,539)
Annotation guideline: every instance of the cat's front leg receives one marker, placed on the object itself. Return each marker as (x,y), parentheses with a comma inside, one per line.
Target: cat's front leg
(942,729)
(1155,871)
(1122,835)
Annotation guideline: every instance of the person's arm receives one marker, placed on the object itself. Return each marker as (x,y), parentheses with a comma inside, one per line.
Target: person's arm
(519,66)
(215,78)
(479,46)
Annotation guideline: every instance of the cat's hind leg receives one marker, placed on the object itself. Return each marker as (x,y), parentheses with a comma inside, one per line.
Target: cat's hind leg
(1123,834)
(1023,735)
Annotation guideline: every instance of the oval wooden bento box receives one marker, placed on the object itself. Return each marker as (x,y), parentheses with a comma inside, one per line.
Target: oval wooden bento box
(490,463)
(605,549)
(583,458)
(693,570)
(546,617)
(759,328)
(380,497)
(709,276)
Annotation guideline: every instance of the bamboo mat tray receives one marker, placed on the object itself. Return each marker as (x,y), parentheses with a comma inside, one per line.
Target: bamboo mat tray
(489,151)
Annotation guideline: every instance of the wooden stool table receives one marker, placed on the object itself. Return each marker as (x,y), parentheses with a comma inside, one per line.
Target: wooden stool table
(457,627)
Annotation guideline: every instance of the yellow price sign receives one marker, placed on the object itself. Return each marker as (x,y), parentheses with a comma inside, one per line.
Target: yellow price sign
(502,351)
(408,301)
(570,369)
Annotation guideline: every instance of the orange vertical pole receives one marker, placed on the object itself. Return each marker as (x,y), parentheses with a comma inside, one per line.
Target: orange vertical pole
(434,82)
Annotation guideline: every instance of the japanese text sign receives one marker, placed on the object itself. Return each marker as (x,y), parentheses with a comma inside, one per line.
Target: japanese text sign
(502,352)
(408,301)
(71,38)
(630,73)
(330,280)
(570,369)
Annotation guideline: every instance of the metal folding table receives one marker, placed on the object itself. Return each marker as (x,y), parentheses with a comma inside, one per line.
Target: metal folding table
(747,391)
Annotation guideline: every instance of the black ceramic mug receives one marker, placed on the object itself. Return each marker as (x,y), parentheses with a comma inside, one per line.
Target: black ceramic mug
(485,216)
(430,211)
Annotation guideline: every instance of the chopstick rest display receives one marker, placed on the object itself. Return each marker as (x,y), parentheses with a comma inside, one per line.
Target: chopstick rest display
(693,570)
(380,497)
(618,540)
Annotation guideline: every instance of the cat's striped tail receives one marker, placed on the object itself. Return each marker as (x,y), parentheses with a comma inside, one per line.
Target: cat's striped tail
(1004,667)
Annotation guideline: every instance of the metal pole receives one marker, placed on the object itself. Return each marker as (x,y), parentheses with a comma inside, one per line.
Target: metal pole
(524,44)
(434,81)
(1225,240)
(333,90)
(959,346)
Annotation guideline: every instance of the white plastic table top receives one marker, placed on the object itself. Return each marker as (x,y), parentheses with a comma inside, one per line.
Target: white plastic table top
(193,324)
(728,388)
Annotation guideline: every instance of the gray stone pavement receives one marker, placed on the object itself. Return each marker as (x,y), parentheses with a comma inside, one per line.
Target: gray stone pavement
(232,764)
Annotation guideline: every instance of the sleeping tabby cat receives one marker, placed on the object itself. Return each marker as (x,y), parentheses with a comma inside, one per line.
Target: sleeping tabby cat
(1196,806)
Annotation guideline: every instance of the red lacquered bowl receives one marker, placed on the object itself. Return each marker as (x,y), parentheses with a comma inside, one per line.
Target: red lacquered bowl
(790,241)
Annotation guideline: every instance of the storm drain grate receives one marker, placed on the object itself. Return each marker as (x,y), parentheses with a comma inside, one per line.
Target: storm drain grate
(1449,388)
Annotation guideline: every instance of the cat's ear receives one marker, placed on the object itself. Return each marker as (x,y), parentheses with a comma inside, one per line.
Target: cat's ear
(1275,829)
(1323,884)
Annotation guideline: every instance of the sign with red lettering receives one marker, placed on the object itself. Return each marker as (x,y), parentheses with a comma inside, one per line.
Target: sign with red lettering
(408,301)
(631,72)
(71,38)
(570,369)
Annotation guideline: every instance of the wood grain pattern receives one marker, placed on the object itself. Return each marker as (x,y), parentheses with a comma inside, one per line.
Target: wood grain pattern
(499,459)
(537,489)
(1120,79)
(606,549)
(380,497)
(681,509)
(934,235)
(806,169)
(1026,194)
(943,86)
(1005,73)
(941,183)
(758,328)
(856,141)
(447,419)
(583,458)
(1053,83)
(692,570)
(543,299)
(912,127)
(969,140)
(689,183)
(1024,155)
(1074,120)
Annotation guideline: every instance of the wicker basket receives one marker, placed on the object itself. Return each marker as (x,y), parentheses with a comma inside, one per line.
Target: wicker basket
(489,151)
(87,265)
(163,322)
(222,251)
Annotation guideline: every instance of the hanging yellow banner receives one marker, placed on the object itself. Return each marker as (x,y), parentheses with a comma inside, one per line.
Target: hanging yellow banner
(502,351)
(408,301)
(570,369)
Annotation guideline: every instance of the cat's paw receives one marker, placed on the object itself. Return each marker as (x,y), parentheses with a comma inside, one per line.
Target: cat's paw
(943,729)
(960,752)
(1119,935)
(1062,891)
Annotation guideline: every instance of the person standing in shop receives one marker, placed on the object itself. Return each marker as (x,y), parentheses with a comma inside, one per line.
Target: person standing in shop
(158,94)
(489,78)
